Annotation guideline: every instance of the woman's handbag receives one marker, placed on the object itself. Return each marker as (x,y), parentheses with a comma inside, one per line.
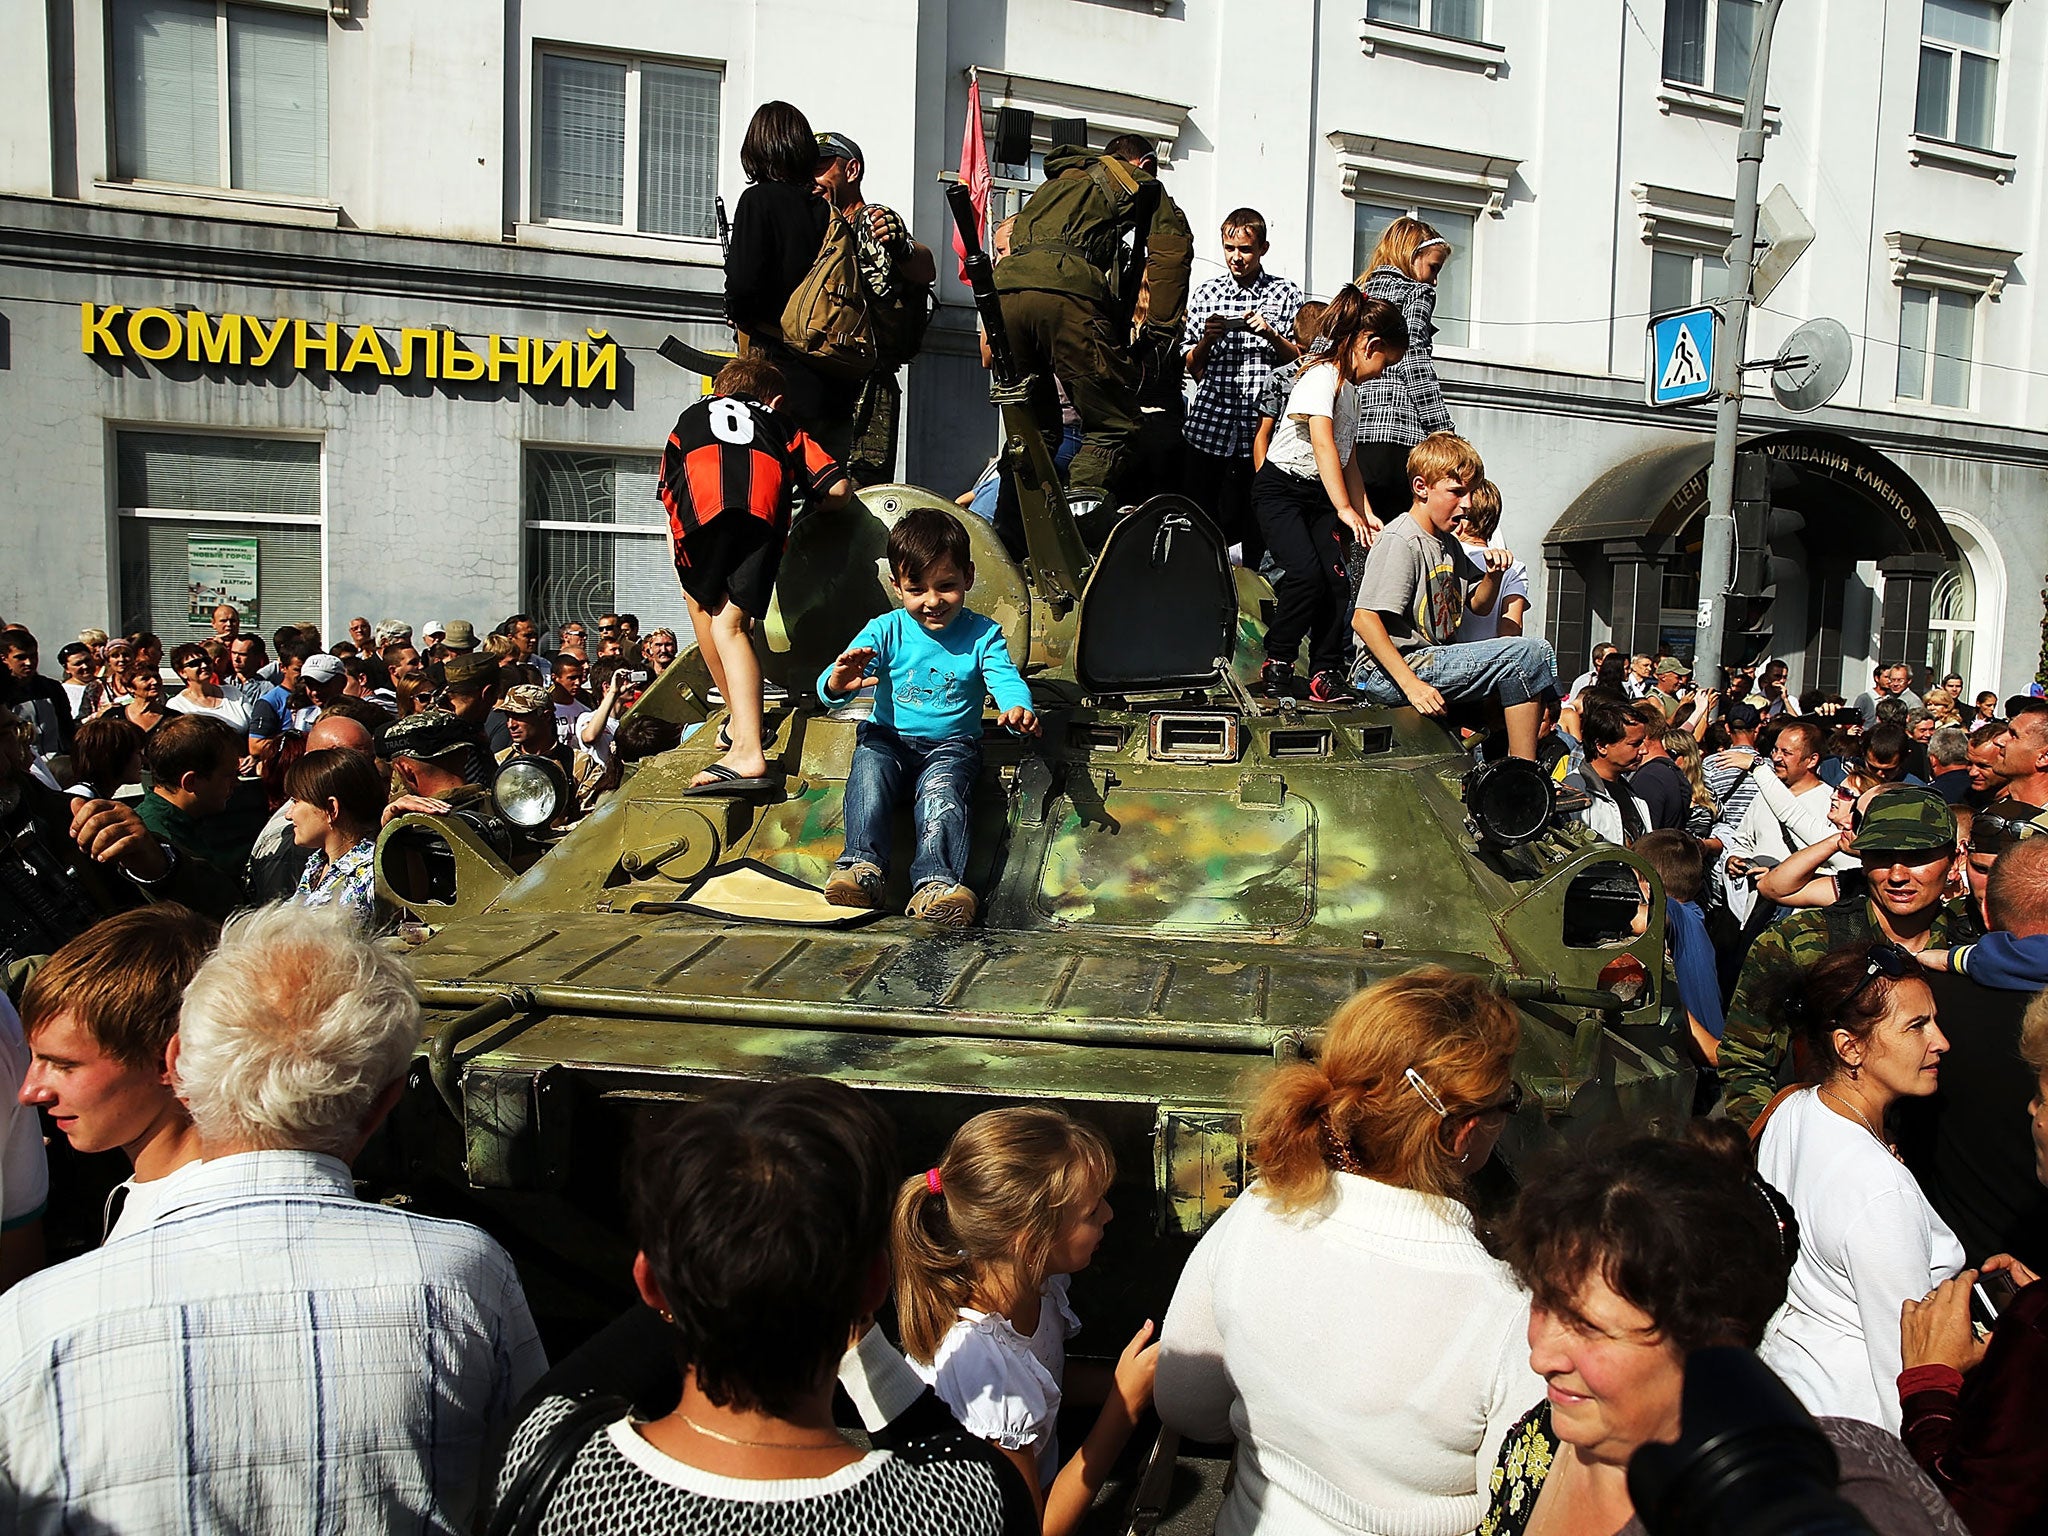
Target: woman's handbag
(526,1498)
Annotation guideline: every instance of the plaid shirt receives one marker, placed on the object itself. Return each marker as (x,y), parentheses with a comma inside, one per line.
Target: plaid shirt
(1405,403)
(1225,410)
(266,1353)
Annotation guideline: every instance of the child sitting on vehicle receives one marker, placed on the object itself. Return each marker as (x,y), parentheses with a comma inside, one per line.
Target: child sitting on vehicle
(730,476)
(930,662)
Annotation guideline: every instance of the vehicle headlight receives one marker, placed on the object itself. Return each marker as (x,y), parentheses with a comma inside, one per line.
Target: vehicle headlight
(1510,801)
(530,791)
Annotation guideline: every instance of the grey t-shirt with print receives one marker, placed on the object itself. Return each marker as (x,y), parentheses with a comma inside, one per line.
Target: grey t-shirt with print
(1414,580)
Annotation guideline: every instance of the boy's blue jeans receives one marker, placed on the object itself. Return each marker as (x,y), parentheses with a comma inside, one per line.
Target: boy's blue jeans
(1513,669)
(943,773)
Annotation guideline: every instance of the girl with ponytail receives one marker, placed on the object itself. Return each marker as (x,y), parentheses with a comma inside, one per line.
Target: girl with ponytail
(1342,1320)
(1309,499)
(985,1243)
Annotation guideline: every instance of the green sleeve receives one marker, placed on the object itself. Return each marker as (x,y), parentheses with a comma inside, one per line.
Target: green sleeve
(1169,259)
(1752,1047)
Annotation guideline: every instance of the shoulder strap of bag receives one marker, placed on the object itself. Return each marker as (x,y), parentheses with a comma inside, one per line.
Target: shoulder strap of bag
(526,1500)
(1756,1126)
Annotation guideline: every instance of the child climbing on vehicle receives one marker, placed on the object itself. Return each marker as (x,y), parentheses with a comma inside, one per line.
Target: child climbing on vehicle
(730,476)
(1309,500)
(985,1244)
(930,662)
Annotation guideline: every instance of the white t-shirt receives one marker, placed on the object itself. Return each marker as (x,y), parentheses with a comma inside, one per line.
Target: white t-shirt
(1868,1243)
(232,709)
(1514,582)
(1002,1386)
(1368,1358)
(1320,391)
(24,1171)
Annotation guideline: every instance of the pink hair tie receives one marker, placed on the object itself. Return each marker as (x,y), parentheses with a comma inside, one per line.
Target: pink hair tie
(931,1180)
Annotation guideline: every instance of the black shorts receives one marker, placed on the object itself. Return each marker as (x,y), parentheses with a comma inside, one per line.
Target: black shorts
(736,555)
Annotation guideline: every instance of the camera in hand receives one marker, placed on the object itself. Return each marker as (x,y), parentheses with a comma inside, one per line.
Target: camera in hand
(1749,1460)
(1236,323)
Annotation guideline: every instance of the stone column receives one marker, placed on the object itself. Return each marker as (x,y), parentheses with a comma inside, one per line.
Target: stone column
(1908,594)
(1636,612)
(1567,618)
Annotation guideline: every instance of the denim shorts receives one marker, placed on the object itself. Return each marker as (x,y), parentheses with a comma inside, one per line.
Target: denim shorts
(1514,669)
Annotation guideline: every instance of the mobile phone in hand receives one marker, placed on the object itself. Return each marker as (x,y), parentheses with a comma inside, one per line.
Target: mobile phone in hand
(1991,1295)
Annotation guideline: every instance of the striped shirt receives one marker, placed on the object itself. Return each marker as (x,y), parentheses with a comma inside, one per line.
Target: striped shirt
(266,1353)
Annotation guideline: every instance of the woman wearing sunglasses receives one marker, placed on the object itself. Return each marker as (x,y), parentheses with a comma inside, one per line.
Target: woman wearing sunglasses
(1341,1321)
(1869,1240)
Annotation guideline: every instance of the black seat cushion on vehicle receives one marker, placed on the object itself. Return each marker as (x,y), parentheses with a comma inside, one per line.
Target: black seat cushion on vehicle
(1161,607)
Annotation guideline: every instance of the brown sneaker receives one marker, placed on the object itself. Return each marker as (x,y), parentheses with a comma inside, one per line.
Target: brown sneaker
(857,885)
(952,906)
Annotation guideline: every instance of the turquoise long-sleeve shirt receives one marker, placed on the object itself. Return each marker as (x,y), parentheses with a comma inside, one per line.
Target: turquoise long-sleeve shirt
(928,686)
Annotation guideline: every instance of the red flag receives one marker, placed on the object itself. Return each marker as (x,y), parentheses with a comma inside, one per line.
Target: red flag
(974,172)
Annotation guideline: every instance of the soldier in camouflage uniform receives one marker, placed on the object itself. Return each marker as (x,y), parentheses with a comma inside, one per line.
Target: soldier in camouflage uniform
(898,274)
(1907,842)
(1059,304)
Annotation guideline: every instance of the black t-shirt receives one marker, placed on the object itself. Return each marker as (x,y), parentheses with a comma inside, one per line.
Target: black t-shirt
(1969,1143)
(1659,784)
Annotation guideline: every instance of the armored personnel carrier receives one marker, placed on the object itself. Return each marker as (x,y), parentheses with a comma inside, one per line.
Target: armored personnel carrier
(1180,883)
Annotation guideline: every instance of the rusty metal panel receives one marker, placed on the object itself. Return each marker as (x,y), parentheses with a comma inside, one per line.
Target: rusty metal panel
(1198,1166)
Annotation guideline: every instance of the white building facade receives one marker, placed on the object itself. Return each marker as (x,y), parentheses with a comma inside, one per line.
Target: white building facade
(513,202)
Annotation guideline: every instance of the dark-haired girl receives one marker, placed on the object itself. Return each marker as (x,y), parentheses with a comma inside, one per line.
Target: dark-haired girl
(778,225)
(1872,1242)
(1309,499)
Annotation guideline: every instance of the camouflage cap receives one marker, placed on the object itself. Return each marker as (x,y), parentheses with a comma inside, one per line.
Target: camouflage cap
(427,733)
(1905,819)
(526,699)
(468,667)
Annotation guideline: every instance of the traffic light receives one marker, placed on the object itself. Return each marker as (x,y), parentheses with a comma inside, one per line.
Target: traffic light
(1752,517)
(1767,559)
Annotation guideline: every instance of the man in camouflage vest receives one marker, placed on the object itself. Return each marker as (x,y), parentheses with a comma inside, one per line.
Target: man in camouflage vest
(898,274)
(1060,304)
(1907,845)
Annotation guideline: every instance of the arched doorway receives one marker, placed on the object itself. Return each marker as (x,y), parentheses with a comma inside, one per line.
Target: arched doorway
(1964,634)
(1624,557)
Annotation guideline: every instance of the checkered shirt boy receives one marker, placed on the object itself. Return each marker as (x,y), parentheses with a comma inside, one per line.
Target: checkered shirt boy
(1225,411)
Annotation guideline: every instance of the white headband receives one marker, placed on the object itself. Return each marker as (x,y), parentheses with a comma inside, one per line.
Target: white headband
(1432,240)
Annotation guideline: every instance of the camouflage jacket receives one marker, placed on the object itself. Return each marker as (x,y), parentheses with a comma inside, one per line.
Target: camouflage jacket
(1754,1048)
(1067,237)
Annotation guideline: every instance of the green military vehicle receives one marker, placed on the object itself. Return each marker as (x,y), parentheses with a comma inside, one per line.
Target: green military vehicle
(1180,883)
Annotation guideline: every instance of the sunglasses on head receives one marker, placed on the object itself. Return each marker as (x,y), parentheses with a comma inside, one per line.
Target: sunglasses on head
(1888,961)
(1994,834)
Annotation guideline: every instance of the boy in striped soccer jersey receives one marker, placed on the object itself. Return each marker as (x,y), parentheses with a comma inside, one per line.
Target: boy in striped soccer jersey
(730,477)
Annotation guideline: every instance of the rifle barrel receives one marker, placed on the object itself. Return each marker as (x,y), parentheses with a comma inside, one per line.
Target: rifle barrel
(981,278)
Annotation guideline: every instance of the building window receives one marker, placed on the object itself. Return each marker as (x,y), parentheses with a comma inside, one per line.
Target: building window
(1952,623)
(597,540)
(1958,98)
(628,144)
(1709,43)
(1448,18)
(1936,328)
(207,94)
(1454,282)
(1681,279)
(197,515)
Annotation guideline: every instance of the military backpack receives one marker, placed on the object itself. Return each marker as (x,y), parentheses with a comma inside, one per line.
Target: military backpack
(828,318)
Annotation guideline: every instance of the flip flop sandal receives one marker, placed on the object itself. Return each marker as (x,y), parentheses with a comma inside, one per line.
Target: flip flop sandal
(725,782)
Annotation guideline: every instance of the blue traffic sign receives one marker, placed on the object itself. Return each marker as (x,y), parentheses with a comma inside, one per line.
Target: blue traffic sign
(1681,362)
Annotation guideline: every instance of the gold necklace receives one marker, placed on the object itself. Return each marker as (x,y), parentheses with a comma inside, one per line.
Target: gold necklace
(760,1445)
(1861,1117)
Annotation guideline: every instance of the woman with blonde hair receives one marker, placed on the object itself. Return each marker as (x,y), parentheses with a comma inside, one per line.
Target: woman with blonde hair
(1342,1320)
(1404,404)
(1684,750)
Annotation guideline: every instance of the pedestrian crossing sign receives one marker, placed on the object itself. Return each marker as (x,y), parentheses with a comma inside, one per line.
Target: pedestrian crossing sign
(1681,361)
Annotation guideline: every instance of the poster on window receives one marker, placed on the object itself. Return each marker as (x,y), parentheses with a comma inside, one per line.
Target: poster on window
(221,570)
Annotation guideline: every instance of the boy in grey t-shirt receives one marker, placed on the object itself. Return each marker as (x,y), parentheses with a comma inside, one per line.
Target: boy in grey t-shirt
(1411,597)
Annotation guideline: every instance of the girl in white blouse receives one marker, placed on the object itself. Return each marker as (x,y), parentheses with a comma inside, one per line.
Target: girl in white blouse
(1869,1241)
(985,1244)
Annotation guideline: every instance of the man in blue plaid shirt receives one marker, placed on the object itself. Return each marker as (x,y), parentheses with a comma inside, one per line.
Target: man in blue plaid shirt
(1240,325)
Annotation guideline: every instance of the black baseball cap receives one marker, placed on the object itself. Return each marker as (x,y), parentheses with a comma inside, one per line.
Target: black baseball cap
(837,146)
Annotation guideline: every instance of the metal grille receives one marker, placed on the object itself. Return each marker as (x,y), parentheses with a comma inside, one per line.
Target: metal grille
(615,557)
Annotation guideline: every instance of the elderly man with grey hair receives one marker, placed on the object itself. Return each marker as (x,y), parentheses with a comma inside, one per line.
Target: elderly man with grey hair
(269,1352)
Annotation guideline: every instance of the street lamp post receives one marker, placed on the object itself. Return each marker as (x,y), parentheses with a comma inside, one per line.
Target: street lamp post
(1717,544)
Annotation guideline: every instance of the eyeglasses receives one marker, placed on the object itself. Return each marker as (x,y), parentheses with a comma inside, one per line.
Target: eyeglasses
(1994,834)
(1888,961)
(1508,1106)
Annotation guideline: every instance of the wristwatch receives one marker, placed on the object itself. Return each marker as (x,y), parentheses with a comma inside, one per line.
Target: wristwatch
(170,864)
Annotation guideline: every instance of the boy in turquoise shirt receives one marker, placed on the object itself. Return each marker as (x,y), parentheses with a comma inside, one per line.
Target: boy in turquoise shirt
(930,663)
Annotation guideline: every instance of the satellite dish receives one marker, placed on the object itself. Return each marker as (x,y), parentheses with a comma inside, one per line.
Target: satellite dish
(1811,365)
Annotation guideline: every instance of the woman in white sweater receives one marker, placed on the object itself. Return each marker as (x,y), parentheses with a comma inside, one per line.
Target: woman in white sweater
(1869,1241)
(1341,1322)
